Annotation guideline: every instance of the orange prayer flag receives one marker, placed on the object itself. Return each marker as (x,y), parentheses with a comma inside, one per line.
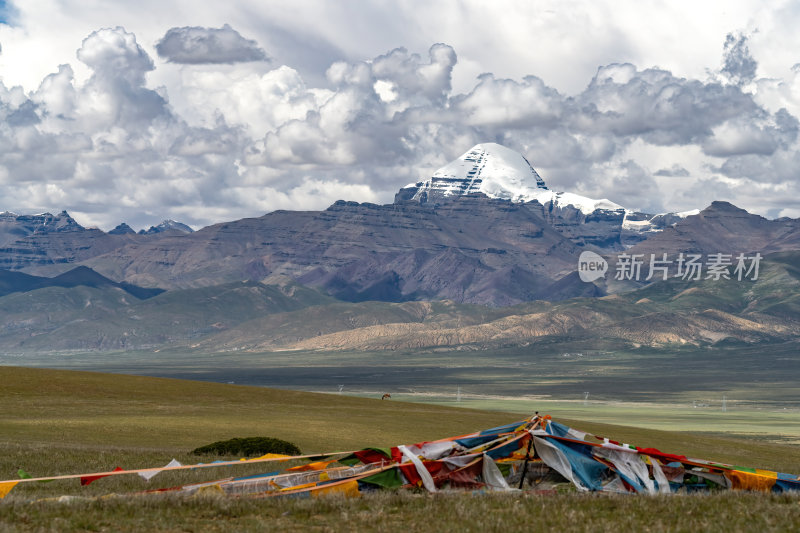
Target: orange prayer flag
(6,487)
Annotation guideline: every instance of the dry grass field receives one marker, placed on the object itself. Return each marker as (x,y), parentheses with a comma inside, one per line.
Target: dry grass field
(61,422)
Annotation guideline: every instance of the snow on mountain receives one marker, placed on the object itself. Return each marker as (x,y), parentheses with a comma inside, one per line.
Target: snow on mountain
(41,222)
(635,222)
(499,172)
(582,203)
(492,169)
(167,225)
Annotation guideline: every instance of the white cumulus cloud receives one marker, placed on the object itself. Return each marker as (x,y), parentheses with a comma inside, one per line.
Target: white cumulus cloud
(101,136)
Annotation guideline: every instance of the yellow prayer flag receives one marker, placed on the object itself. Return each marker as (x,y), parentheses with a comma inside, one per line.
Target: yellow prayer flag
(210,490)
(319,465)
(272,456)
(761,480)
(348,489)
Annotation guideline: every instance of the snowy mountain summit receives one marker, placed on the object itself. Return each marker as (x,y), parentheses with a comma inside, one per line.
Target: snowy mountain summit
(497,172)
(489,168)
(168,225)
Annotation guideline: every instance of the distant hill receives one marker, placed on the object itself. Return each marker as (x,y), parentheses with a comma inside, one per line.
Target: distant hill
(122,229)
(48,245)
(673,312)
(11,282)
(107,317)
(723,227)
(252,316)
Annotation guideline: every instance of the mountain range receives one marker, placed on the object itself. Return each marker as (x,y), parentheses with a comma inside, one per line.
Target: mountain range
(484,229)
(482,253)
(252,316)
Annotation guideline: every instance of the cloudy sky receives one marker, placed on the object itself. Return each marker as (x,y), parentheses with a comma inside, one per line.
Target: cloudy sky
(211,111)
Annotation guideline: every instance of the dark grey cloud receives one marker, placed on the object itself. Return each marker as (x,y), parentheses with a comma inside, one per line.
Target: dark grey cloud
(24,115)
(738,64)
(220,140)
(198,45)
(778,168)
(636,185)
(675,171)
(410,75)
(658,107)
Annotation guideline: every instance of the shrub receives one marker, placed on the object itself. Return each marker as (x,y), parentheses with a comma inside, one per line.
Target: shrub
(248,446)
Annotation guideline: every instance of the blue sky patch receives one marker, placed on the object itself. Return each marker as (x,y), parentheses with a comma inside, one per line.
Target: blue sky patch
(6,11)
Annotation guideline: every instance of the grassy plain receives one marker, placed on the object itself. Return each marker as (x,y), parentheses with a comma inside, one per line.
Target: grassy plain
(94,409)
(414,512)
(57,422)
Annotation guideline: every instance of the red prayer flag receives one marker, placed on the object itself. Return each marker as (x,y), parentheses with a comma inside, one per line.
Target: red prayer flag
(658,454)
(85,480)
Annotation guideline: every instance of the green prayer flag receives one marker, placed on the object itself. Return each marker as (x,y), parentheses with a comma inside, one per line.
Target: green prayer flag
(350,460)
(388,479)
(24,475)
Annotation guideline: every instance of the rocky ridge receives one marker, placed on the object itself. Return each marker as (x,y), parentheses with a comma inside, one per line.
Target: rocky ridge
(484,229)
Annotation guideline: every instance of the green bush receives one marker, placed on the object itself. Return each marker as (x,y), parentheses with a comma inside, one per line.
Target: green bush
(248,447)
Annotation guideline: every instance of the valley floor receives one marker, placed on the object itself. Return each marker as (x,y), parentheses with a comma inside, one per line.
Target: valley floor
(749,392)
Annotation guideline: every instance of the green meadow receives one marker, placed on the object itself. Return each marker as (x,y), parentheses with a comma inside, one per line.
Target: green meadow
(56,422)
(778,424)
(96,409)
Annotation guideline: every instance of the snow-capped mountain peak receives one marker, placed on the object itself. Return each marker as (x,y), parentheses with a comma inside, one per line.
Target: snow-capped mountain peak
(167,225)
(497,172)
(492,168)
